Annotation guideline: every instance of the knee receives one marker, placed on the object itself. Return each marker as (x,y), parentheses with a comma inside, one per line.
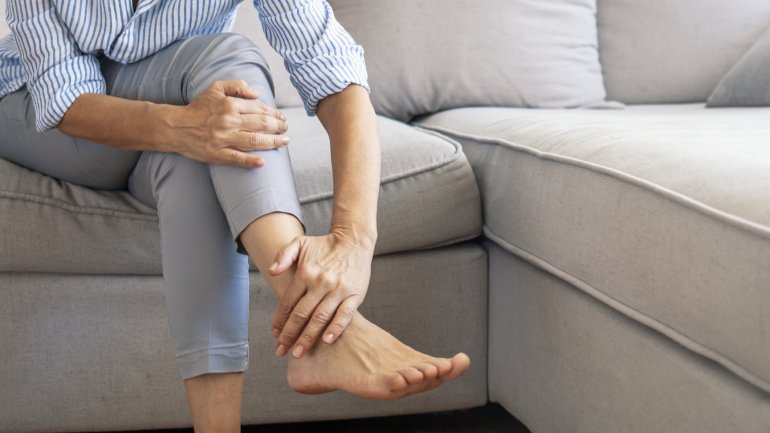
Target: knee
(228,56)
(176,173)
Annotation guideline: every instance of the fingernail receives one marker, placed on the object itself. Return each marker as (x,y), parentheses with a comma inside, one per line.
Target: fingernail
(285,140)
(329,338)
(283,117)
(276,332)
(280,350)
(297,351)
(273,266)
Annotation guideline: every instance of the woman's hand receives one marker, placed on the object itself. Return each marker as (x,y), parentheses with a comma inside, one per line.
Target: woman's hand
(330,283)
(225,122)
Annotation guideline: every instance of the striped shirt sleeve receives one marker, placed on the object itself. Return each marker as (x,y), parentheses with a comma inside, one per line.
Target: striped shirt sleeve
(321,56)
(57,72)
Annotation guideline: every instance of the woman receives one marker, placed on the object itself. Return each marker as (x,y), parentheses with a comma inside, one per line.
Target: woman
(155,98)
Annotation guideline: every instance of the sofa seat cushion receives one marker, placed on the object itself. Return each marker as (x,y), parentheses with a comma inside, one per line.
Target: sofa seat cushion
(659,211)
(428,198)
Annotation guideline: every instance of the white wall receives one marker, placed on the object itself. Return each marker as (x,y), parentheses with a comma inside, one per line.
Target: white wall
(3,26)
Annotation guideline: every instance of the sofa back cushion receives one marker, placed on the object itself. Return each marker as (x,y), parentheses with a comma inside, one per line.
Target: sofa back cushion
(427,55)
(671,51)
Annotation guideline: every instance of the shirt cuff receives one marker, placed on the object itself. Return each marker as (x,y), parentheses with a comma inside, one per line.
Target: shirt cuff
(326,75)
(57,88)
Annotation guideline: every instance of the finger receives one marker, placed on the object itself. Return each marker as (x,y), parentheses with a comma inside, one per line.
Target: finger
(235,88)
(263,123)
(286,257)
(238,158)
(244,141)
(256,107)
(297,321)
(345,312)
(286,304)
(318,321)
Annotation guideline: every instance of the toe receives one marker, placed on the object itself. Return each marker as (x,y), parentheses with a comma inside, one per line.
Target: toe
(432,384)
(443,365)
(395,382)
(429,371)
(460,364)
(412,375)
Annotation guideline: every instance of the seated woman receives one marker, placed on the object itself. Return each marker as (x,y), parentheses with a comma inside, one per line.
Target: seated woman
(156,98)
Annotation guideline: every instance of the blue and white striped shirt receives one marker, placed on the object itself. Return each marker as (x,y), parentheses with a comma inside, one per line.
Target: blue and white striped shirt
(55,45)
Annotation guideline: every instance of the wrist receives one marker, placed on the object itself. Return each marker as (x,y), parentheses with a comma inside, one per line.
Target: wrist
(167,119)
(359,235)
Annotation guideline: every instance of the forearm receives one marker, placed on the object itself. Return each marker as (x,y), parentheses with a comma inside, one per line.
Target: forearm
(350,121)
(120,123)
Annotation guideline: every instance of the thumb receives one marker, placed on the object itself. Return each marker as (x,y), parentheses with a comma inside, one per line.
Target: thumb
(238,89)
(285,257)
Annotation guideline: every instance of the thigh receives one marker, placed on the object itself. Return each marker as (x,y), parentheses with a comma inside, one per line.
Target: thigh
(55,154)
(180,72)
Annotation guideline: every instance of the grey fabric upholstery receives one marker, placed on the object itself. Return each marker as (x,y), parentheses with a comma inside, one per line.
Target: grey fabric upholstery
(92,353)
(561,361)
(453,53)
(52,226)
(748,82)
(672,51)
(628,257)
(658,211)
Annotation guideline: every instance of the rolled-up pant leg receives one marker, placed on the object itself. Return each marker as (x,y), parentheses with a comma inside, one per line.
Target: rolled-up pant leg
(203,208)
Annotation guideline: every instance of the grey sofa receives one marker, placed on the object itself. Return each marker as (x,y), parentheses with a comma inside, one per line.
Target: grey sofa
(607,270)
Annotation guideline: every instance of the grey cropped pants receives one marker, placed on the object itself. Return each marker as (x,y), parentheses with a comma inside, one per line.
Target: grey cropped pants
(202,208)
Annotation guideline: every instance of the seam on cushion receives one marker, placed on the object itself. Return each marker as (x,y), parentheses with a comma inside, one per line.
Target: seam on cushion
(630,312)
(736,221)
(454,156)
(14,196)
(453,241)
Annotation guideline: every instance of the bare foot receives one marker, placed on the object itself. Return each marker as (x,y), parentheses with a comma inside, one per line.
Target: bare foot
(368,362)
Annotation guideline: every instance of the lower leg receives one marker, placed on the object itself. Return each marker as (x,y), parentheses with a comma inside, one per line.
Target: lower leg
(365,360)
(215,398)
(215,402)
(206,286)
(264,237)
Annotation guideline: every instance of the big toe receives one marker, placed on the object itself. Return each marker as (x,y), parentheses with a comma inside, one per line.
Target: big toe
(460,364)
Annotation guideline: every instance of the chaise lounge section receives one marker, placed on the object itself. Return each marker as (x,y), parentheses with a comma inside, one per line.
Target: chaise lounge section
(606,266)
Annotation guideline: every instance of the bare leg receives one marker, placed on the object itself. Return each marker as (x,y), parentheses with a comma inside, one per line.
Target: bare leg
(365,361)
(215,402)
